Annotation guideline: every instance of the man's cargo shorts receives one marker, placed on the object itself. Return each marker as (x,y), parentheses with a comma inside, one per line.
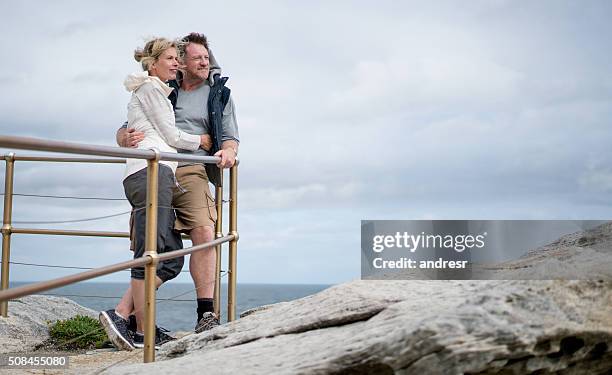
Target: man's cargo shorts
(194,204)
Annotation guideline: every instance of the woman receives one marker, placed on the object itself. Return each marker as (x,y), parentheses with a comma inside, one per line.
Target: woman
(150,112)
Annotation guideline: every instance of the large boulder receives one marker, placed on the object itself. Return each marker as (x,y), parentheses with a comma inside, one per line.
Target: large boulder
(426,326)
(26,326)
(411,327)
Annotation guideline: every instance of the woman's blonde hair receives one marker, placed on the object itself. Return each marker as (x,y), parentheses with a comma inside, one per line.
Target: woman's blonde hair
(152,50)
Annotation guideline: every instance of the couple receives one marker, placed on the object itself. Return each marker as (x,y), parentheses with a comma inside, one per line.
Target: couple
(190,110)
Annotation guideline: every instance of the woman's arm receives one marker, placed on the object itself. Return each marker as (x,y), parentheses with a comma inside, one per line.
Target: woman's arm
(159,112)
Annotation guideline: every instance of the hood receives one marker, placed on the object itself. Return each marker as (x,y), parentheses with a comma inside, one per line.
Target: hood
(135,80)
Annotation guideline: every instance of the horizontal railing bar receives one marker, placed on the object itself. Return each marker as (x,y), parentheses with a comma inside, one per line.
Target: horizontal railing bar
(193,249)
(82,233)
(187,157)
(36,144)
(42,286)
(25,290)
(62,232)
(68,159)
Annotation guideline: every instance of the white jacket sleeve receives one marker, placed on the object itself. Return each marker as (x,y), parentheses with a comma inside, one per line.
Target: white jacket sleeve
(159,112)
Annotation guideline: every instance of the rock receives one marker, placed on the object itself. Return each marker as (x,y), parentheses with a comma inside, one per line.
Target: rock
(259,308)
(26,325)
(410,327)
(578,256)
(426,326)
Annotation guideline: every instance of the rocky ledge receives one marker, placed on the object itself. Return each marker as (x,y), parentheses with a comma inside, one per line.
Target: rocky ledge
(410,327)
(426,327)
(26,326)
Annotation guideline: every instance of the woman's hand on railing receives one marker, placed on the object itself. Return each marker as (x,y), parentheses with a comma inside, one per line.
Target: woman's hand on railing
(205,142)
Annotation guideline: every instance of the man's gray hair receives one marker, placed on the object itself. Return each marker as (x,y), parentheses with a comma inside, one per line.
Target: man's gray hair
(195,38)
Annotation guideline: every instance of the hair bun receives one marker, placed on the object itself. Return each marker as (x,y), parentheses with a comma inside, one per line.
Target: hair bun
(151,51)
(138,54)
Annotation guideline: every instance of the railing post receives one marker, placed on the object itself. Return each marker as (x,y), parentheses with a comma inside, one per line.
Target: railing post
(233,246)
(6,227)
(151,251)
(218,234)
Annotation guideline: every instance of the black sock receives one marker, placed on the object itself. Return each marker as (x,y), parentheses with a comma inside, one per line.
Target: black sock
(204,305)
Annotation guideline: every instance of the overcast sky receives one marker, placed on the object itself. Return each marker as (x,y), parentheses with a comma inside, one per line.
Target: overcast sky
(347,111)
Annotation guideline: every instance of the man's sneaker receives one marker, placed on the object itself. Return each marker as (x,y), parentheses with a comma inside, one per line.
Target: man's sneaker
(160,338)
(117,330)
(208,321)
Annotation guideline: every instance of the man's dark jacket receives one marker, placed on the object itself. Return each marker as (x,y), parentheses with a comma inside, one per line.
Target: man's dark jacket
(217,100)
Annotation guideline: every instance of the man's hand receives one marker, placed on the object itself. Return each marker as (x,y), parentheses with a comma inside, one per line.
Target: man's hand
(205,142)
(129,137)
(228,157)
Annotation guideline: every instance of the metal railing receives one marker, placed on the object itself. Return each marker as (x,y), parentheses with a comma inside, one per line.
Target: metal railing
(150,258)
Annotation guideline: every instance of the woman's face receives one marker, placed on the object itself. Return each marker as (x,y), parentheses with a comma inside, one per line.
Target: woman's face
(166,66)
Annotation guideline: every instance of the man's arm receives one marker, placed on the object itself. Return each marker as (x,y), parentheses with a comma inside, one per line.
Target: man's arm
(128,137)
(229,136)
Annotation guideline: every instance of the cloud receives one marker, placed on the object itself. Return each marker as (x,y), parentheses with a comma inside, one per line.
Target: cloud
(390,111)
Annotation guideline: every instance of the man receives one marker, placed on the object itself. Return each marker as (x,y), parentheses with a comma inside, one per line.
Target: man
(202,106)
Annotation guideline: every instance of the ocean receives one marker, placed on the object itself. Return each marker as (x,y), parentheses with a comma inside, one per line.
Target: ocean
(180,314)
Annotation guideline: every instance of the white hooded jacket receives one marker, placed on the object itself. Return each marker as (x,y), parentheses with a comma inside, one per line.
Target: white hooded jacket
(150,112)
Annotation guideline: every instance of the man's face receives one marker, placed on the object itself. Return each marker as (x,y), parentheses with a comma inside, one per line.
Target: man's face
(196,63)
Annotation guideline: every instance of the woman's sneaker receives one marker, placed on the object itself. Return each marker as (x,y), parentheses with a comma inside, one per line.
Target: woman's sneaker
(132,325)
(160,338)
(117,330)
(208,321)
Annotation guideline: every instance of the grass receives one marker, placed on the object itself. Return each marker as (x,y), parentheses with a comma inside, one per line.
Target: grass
(80,332)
